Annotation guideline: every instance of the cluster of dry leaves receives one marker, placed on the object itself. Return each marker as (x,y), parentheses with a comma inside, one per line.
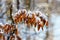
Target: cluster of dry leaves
(32,18)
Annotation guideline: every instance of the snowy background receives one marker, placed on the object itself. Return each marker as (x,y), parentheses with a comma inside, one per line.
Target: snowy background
(54,28)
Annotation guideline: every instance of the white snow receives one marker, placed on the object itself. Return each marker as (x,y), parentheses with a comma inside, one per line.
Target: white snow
(55,19)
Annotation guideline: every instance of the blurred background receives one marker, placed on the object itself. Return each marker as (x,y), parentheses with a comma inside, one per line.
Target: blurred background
(51,8)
